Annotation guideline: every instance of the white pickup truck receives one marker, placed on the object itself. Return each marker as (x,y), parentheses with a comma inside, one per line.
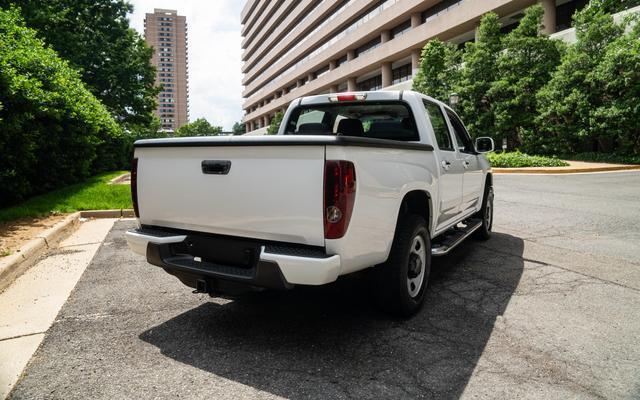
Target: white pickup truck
(374,180)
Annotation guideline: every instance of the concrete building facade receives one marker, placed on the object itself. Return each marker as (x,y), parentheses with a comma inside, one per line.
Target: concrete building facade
(166,32)
(294,48)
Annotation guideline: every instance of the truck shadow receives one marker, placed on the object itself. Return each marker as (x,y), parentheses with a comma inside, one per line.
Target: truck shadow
(329,342)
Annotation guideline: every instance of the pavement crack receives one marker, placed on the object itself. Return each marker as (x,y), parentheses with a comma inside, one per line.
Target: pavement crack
(21,336)
(546,264)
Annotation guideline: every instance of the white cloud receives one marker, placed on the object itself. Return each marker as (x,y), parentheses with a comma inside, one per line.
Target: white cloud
(215,77)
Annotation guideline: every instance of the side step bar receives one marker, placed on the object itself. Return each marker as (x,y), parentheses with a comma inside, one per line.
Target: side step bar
(454,236)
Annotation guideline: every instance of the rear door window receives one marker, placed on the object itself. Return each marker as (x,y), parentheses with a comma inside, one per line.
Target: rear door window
(391,120)
(462,136)
(439,124)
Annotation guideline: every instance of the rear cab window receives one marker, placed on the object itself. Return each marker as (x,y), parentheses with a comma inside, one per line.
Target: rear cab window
(392,120)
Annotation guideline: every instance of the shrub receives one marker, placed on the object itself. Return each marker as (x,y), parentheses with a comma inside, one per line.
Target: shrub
(53,131)
(521,160)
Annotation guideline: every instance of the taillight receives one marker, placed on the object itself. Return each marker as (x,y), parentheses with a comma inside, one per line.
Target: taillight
(134,186)
(339,196)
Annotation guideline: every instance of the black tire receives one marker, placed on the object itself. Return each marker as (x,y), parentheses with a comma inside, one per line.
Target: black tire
(391,283)
(486,214)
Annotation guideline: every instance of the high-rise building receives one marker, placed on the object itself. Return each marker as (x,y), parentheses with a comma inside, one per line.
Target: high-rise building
(297,48)
(166,32)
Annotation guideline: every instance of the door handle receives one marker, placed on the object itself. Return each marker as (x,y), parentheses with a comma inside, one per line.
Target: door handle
(466,164)
(216,167)
(446,165)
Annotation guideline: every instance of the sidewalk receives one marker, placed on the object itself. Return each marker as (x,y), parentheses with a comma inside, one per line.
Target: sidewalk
(29,306)
(574,167)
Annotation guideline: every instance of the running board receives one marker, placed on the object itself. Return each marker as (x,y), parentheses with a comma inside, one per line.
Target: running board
(450,239)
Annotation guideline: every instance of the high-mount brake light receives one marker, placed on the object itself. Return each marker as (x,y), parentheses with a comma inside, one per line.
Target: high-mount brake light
(348,97)
(134,186)
(339,197)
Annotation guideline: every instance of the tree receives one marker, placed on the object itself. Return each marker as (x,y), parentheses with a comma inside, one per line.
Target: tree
(439,70)
(523,67)
(199,127)
(613,6)
(238,128)
(54,131)
(273,127)
(567,101)
(478,75)
(152,131)
(617,116)
(95,37)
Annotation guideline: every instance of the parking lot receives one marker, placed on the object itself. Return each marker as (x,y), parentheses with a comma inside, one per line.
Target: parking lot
(548,308)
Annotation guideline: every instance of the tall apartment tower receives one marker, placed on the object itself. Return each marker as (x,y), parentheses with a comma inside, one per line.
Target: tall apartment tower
(300,48)
(166,32)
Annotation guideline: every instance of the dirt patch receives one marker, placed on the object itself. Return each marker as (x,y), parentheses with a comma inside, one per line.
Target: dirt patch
(16,233)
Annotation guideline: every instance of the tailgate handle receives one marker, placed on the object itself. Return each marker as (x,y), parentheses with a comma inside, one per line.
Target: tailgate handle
(216,167)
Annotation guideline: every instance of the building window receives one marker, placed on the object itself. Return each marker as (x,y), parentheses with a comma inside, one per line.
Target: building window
(564,13)
(374,83)
(321,71)
(400,29)
(367,47)
(439,8)
(402,73)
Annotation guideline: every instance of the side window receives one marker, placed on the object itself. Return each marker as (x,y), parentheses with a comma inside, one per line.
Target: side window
(443,137)
(462,136)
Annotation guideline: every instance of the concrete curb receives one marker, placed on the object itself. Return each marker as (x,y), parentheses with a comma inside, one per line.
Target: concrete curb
(563,170)
(123,213)
(14,265)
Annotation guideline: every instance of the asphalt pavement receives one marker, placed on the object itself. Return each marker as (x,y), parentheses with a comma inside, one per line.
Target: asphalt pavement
(547,308)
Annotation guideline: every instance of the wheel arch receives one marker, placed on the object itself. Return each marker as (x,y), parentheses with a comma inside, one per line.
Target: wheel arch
(417,202)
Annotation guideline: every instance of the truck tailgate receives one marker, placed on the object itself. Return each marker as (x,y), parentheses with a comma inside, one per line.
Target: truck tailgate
(270,192)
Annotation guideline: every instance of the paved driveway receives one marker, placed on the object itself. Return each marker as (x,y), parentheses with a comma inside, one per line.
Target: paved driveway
(548,308)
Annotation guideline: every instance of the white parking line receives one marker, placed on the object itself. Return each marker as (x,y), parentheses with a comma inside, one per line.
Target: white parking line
(30,305)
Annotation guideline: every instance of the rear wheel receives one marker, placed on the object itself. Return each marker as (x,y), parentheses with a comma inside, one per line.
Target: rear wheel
(486,214)
(401,282)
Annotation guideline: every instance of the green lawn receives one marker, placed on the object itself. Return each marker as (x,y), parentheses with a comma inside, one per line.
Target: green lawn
(93,194)
(518,160)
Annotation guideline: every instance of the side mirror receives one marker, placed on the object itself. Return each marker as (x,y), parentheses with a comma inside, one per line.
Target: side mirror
(485,145)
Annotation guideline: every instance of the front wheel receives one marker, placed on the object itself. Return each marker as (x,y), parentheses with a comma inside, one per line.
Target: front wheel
(401,282)
(486,214)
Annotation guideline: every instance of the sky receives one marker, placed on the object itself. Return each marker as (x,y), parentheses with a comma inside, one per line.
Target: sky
(215,78)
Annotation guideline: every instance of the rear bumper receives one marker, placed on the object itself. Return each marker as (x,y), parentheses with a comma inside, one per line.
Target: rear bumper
(278,266)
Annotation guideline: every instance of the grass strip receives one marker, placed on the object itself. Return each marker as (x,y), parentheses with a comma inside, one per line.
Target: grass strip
(93,194)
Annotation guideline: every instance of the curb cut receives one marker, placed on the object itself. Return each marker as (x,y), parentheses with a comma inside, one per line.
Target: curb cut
(14,265)
(552,171)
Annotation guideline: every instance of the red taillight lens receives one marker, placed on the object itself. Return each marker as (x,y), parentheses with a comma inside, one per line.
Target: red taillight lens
(339,196)
(348,97)
(134,186)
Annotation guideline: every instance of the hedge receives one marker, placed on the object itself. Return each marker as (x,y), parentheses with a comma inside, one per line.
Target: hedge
(53,131)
